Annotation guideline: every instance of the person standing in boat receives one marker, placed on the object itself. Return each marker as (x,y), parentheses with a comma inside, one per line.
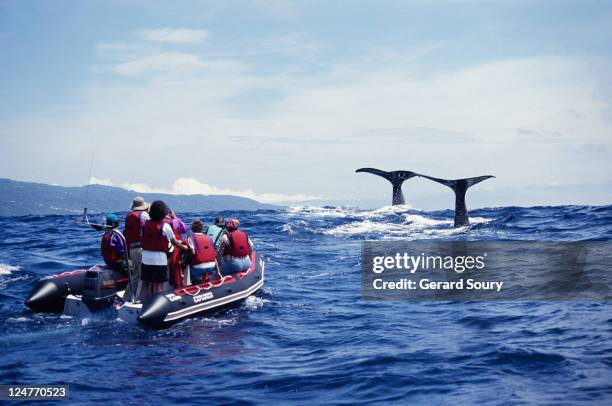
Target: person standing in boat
(178,227)
(134,224)
(203,255)
(112,247)
(216,231)
(235,248)
(175,265)
(157,241)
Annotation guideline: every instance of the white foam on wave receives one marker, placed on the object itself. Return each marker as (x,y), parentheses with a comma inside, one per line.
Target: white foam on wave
(288,228)
(397,209)
(211,321)
(366,227)
(341,212)
(479,220)
(294,227)
(377,222)
(226,322)
(316,211)
(316,276)
(17,319)
(441,232)
(412,223)
(414,226)
(6,269)
(418,220)
(254,302)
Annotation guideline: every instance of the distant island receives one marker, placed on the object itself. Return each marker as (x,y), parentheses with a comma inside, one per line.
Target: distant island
(27,198)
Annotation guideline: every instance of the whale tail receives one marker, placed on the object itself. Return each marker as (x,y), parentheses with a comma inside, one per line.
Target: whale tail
(396,178)
(460,187)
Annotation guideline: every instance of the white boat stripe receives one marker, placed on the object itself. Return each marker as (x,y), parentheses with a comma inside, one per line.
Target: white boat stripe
(214,303)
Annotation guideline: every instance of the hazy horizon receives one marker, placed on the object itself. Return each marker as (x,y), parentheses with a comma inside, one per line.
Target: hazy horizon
(444,199)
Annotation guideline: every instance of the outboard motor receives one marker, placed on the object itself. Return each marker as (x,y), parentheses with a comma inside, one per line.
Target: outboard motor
(99,289)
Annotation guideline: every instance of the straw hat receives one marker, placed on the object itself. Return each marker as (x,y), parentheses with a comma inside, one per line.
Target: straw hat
(139,204)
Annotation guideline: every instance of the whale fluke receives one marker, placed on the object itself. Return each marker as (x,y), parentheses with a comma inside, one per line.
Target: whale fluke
(396,178)
(460,187)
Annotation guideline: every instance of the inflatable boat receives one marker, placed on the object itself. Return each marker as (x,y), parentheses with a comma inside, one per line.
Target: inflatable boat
(166,308)
(100,291)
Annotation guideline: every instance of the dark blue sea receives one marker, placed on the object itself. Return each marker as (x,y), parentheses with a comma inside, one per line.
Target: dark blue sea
(307,338)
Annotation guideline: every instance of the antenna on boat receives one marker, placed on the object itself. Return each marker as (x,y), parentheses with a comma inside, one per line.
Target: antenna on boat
(91,163)
(86,199)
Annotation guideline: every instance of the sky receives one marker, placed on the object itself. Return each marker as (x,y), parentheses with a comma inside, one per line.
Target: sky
(282,101)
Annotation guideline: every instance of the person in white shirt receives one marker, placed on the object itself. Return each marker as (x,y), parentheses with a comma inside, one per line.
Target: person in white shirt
(158,241)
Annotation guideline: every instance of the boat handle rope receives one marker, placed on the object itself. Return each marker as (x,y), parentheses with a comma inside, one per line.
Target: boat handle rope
(192,294)
(201,287)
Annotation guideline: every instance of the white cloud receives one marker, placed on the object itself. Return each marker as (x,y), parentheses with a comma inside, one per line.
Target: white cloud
(325,123)
(134,60)
(160,62)
(190,186)
(172,35)
(101,181)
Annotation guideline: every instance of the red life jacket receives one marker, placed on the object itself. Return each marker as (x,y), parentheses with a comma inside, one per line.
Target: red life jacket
(133,229)
(204,249)
(153,237)
(239,243)
(109,253)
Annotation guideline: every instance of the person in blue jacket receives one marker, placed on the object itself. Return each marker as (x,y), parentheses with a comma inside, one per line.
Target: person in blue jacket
(216,231)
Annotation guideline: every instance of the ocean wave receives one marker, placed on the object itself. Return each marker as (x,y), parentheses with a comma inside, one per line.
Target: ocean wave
(368,227)
(316,211)
(413,226)
(388,222)
(387,210)
(18,319)
(10,274)
(6,269)
(254,302)
(418,220)
(343,212)
(307,335)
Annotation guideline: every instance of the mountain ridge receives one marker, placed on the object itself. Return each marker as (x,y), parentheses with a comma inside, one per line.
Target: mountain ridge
(19,198)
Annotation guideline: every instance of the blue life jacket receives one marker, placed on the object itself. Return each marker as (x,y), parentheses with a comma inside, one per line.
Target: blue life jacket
(215,232)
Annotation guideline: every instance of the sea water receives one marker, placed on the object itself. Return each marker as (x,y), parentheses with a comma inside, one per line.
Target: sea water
(307,337)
